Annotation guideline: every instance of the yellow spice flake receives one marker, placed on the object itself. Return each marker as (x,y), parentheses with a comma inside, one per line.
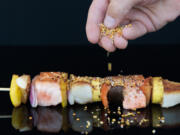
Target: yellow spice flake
(109,66)
(77,119)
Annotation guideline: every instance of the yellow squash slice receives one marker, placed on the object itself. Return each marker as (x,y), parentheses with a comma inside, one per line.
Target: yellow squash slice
(96,90)
(158,90)
(15,92)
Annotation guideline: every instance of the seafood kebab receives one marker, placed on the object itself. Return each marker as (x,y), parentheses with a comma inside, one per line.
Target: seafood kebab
(132,91)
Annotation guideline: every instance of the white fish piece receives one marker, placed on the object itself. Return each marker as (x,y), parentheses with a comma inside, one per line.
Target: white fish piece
(80,93)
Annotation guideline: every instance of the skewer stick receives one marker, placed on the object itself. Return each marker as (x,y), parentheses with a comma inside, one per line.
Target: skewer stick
(4,89)
(5,116)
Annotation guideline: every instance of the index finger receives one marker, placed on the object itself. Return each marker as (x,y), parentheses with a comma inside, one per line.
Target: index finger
(96,15)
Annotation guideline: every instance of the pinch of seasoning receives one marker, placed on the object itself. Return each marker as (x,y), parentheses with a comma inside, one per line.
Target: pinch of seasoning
(77,119)
(30,117)
(95,116)
(109,66)
(153,131)
(74,114)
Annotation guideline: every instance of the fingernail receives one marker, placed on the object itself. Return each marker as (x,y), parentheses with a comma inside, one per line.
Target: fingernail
(109,21)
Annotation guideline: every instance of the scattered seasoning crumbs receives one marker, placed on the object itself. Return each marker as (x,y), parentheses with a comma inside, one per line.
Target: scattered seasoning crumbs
(77,119)
(128,114)
(95,116)
(113,120)
(122,120)
(88,124)
(153,131)
(142,121)
(85,108)
(127,122)
(118,112)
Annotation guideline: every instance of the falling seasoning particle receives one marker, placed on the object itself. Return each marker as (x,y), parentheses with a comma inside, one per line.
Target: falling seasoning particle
(153,131)
(108,53)
(109,66)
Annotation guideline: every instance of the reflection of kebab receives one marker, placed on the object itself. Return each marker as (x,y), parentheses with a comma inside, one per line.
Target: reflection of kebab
(84,119)
(133,91)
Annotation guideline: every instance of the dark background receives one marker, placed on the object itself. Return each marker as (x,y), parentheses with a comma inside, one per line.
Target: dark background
(40,22)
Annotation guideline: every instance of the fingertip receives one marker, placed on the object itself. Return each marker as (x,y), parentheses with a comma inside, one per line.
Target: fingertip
(93,33)
(128,33)
(107,44)
(120,42)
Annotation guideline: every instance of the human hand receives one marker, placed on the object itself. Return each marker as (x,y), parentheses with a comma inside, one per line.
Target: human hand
(144,15)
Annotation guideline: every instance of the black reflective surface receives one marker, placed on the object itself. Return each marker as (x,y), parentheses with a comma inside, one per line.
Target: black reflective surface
(93,119)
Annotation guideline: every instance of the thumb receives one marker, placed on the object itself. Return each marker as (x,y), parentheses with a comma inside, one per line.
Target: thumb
(116,11)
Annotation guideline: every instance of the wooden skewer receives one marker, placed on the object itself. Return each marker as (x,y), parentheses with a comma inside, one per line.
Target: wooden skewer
(5,116)
(4,89)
